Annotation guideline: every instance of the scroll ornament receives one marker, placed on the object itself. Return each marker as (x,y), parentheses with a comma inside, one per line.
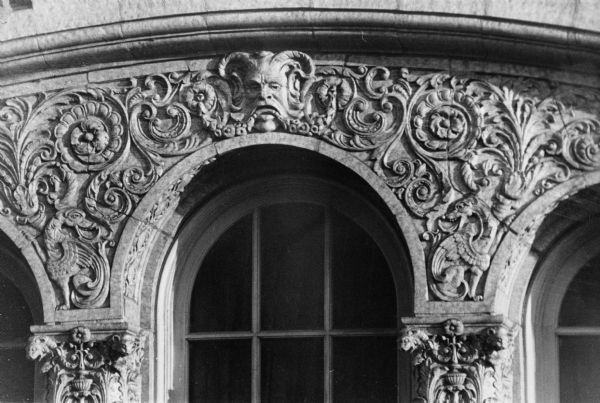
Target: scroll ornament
(83,370)
(456,366)
(465,155)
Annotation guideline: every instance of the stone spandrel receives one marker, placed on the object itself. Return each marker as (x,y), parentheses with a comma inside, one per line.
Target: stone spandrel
(463,154)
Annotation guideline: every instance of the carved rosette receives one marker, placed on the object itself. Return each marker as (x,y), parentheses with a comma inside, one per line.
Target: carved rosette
(464,154)
(83,370)
(459,365)
(446,123)
(89,136)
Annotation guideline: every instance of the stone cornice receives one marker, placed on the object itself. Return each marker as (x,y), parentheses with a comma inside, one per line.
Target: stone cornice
(358,30)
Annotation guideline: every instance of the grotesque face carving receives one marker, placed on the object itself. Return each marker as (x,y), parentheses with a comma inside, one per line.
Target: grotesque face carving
(267,87)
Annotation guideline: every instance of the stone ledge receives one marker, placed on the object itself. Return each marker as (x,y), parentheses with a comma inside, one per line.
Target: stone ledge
(325,30)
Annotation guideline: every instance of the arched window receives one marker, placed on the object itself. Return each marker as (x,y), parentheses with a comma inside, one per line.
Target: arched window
(290,289)
(564,319)
(578,334)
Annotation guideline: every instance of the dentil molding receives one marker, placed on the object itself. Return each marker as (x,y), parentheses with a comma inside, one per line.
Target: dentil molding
(464,154)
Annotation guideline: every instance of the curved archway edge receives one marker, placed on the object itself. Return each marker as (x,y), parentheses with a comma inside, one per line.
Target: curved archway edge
(182,174)
(510,272)
(34,264)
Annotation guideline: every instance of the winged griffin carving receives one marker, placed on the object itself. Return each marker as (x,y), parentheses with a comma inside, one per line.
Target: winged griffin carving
(464,154)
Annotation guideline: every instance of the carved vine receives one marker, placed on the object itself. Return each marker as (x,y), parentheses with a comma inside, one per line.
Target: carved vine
(464,154)
(460,367)
(83,370)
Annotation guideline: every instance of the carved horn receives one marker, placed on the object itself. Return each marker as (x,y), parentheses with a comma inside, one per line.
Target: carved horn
(306,63)
(233,68)
(242,57)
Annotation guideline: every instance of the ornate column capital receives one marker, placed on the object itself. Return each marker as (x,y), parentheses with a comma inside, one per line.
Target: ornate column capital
(459,363)
(82,369)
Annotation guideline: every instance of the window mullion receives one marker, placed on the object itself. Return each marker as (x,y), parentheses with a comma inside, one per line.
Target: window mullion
(578,331)
(255,306)
(328,309)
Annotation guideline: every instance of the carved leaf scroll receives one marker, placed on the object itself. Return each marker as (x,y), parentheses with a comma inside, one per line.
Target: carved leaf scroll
(83,370)
(454,364)
(464,154)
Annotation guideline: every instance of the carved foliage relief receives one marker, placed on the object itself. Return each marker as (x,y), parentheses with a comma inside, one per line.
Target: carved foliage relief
(464,154)
(453,364)
(83,370)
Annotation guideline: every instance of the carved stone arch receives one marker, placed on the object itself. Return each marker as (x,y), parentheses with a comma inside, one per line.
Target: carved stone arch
(148,236)
(510,273)
(31,279)
(548,273)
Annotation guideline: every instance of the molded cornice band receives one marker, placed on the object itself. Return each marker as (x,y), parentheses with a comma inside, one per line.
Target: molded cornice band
(326,30)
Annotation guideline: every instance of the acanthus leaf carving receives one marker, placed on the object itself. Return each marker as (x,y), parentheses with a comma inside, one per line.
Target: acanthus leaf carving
(465,155)
(454,364)
(81,369)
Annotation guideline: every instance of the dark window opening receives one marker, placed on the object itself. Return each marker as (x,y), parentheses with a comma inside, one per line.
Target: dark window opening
(295,302)
(16,372)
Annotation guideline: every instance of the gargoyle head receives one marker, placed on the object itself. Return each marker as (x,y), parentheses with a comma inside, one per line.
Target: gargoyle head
(268,87)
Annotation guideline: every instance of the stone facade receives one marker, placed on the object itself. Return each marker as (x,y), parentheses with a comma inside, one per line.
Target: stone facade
(94,164)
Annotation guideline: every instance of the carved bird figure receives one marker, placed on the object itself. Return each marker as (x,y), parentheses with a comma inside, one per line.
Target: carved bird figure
(77,258)
(461,258)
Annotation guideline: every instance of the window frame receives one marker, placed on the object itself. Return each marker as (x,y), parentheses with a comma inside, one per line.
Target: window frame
(209,222)
(553,276)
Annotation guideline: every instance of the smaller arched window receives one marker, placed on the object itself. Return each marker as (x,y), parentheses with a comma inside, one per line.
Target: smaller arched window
(578,334)
(291,289)
(564,320)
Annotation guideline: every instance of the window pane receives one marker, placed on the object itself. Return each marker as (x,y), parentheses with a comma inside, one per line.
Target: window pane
(363,289)
(364,369)
(292,237)
(579,370)
(292,370)
(220,371)
(16,371)
(15,317)
(16,374)
(221,300)
(581,304)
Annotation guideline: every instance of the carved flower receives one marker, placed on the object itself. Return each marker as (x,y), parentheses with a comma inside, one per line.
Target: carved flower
(446,124)
(200,97)
(454,327)
(89,135)
(80,334)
